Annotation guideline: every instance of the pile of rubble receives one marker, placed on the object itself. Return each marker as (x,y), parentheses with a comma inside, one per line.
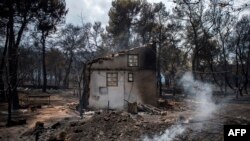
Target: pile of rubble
(140,121)
(102,126)
(112,126)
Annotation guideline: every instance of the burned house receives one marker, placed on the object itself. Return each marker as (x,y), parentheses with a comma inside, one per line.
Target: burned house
(126,76)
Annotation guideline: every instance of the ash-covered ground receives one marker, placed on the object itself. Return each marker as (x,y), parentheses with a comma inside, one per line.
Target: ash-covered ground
(180,121)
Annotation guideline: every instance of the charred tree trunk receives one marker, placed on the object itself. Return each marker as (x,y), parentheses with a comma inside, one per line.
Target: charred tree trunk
(2,93)
(10,46)
(243,71)
(159,70)
(247,70)
(56,77)
(67,72)
(86,74)
(195,38)
(86,79)
(225,63)
(160,43)
(194,62)
(82,95)
(213,75)
(237,73)
(39,75)
(9,108)
(44,61)
(12,59)
(50,78)
(13,44)
(59,77)
(13,76)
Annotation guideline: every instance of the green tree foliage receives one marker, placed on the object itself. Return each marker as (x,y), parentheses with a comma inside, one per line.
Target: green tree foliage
(50,14)
(14,19)
(240,43)
(70,41)
(121,17)
(145,24)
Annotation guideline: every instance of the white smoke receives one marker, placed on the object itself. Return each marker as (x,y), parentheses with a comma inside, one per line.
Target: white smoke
(168,135)
(202,94)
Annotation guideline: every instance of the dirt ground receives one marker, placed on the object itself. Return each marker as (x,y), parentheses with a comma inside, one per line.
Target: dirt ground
(55,111)
(61,122)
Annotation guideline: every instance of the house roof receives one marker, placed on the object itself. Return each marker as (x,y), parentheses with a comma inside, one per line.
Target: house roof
(123,52)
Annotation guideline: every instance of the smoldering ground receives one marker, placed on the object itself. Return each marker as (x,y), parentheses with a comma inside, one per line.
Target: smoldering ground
(201,94)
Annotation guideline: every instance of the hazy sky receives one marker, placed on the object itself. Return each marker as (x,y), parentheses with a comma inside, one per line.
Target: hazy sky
(97,10)
(92,10)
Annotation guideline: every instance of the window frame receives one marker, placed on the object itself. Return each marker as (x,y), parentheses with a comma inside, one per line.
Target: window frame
(107,79)
(132,74)
(137,65)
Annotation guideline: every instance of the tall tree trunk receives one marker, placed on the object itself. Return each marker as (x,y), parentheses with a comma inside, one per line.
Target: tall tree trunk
(196,46)
(50,78)
(243,71)
(44,61)
(67,72)
(85,77)
(212,70)
(247,71)
(237,74)
(86,82)
(59,77)
(2,93)
(9,108)
(39,74)
(225,65)
(159,66)
(13,76)
(56,77)
(12,59)
(194,62)
(10,45)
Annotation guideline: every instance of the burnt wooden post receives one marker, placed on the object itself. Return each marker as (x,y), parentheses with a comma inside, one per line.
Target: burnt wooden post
(158,68)
(81,96)
(83,101)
